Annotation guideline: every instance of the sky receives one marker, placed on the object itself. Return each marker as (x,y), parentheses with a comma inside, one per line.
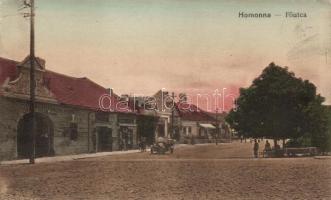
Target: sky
(194,46)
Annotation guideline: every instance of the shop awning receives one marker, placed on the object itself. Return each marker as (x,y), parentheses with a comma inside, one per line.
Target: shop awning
(208,126)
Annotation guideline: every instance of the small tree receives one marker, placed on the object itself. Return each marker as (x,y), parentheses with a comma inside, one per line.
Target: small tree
(278,105)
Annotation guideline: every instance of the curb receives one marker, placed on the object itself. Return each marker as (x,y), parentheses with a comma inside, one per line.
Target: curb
(67,157)
(322,157)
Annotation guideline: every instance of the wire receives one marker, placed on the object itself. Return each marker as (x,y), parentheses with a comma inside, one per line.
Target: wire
(10,15)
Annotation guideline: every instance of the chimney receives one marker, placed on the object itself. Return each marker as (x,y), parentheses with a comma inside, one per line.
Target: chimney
(110,91)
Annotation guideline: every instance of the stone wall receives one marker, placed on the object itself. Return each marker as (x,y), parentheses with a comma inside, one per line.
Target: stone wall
(12,110)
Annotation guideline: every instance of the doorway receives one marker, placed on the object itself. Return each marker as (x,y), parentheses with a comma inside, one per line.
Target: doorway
(126,138)
(44,136)
(105,139)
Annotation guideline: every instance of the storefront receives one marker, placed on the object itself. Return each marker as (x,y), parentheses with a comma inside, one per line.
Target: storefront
(127,134)
(206,131)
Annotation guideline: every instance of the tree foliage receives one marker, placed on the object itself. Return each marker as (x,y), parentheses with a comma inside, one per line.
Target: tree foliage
(321,137)
(279,105)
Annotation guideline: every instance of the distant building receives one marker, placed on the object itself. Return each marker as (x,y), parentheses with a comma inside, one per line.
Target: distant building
(168,116)
(195,124)
(225,132)
(162,106)
(187,120)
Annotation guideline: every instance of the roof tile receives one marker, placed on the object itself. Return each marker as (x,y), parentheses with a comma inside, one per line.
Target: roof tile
(67,90)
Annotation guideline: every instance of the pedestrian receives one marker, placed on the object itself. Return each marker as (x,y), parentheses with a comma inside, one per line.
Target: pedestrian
(142,146)
(267,149)
(256,149)
(267,146)
(121,145)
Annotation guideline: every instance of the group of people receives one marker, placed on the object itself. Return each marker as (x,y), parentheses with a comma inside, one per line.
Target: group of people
(142,146)
(267,147)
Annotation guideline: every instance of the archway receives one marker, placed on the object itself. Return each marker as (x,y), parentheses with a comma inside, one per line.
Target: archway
(44,135)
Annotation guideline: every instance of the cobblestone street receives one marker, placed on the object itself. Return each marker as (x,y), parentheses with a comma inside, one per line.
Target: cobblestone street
(225,171)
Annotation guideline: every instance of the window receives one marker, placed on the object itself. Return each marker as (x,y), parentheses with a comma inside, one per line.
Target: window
(200,132)
(73,131)
(189,129)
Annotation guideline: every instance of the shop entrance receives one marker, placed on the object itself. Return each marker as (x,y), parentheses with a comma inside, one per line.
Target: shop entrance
(105,139)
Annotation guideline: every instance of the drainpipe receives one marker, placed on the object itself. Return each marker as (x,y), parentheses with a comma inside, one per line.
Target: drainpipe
(217,127)
(96,141)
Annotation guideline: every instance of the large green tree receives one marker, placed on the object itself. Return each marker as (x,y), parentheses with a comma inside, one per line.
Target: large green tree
(279,105)
(320,136)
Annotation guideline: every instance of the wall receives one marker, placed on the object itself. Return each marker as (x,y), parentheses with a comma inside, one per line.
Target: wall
(12,110)
(185,136)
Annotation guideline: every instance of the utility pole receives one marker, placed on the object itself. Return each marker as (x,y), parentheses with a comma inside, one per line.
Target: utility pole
(217,131)
(32,81)
(172,116)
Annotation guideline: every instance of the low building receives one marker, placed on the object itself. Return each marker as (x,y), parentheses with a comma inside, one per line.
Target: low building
(225,133)
(199,126)
(69,118)
(196,125)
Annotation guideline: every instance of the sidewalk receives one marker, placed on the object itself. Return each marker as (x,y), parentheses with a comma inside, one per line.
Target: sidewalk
(68,157)
(322,157)
(87,155)
(198,144)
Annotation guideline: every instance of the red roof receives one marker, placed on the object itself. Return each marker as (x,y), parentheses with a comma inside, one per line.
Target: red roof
(7,69)
(68,90)
(191,112)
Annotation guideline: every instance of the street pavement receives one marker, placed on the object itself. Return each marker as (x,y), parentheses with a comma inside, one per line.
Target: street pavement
(224,171)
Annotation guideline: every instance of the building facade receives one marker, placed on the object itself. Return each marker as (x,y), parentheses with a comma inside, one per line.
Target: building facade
(168,124)
(68,117)
(198,126)
(76,115)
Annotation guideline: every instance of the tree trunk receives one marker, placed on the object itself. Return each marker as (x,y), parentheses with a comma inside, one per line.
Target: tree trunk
(283,143)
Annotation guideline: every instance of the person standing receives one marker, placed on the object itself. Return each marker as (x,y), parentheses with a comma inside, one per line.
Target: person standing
(121,145)
(256,149)
(267,149)
(267,146)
